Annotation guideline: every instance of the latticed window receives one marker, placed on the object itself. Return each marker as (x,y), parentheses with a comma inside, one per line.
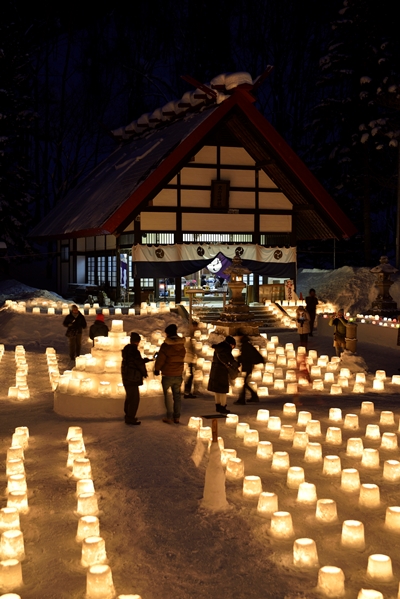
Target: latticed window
(217,238)
(112,270)
(91,270)
(158,238)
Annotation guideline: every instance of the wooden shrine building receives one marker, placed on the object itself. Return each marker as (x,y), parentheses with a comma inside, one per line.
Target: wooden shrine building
(204,176)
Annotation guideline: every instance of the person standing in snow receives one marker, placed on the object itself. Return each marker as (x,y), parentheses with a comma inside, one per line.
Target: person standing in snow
(249,356)
(190,359)
(311,305)
(170,361)
(133,372)
(303,325)
(75,323)
(339,336)
(98,328)
(223,367)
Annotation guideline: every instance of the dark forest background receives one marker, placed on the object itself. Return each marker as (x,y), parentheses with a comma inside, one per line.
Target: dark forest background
(69,73)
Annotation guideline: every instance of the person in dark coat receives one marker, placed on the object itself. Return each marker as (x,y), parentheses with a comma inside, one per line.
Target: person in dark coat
(98,328)
(311,305)
(223,367)
(190,359)
(75,323)
(339,337)
(133,370)
(170,362)
(249,356)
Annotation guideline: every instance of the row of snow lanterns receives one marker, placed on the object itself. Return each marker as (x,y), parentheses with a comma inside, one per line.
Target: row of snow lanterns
(375,319)
(99,581)
(21,390)
(12,548)
(330,579)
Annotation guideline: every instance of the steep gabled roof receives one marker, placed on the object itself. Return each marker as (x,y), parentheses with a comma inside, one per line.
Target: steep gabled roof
(112,194)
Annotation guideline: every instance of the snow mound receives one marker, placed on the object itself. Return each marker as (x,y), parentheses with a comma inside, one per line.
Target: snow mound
(12,289)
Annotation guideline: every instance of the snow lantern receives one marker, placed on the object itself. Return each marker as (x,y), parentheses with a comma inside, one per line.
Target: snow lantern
(252,487)
(280,461)
(313,428)
(12,545)
(313,453)
(329,377)
(295,476)
(262,415)
(81,468)
(195,422)
(250,438)
(18,500)
(396,379)
(232,420)
(326,511)
(74,454)
(378,385)
(220,443)
(307,493)
(264,450)
(336,389)
(15,466)
(355,447)
(10,575)
(268,378)
(88,526)
(15,452)
(117,326)
(87,504)
(291,375)
(17,482)
(389,441)
(84,485)
(316,371)
(351,421)
(369,594)
(9,519)
(300,440)
(234,469)
(241,428)
(358,388)
(93,551)
(19,439)
(392,519)
(370,458)
(74,431)
(318,385)
(287,432)
(305,553)
(353,535)
(380,567)
(373,432)
(274,423)
(226,454)
(333,435)
(267,504)
(279,384)
(369,496)
(387,418)
(350,480)
(391,470)
(289,409)
(281,525)
(380,375)
(332,466)
(99,582)
(331,581)
(303,418)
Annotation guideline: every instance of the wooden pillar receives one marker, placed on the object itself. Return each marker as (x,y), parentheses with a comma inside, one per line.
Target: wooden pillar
(256,287)
(136,279)
(178,289)
(178,237)
(256,236)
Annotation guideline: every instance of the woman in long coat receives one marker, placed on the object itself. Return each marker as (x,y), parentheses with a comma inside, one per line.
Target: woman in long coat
(223,366)
(303,325)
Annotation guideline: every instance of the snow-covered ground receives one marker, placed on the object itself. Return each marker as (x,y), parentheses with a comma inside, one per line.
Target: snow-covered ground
(160,542)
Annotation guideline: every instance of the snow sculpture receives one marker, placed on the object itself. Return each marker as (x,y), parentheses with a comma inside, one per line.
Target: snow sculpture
(331,581)
(214,494)
(353,535)
(380,567)
(99,582)
(305,553)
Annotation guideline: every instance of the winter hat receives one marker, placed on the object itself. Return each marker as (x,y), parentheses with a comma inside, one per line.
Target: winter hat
(171,330)
(135,337)
(230,340)
(100,317)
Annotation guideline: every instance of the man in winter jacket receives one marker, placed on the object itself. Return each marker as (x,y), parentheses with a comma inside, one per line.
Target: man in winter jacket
(248,357)
(170,362)
(133,372)
(75,323)
(98,328)
(223,367)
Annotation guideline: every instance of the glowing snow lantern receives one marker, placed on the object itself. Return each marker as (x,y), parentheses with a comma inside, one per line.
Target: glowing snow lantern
(267,504)
(336,389)
(355,447)
(350,480)
(313,453)
(380,567)
(313,428)
(19,439)
(252,487)
(74,454)
(389,441)
(232,420)
(333,435)
(378,385)
(195,422)
(17,482)
(279,384)
(289,409)
(326,511)
(10,576)
(264,450)
(370,458)
(307,493)
(350,421)
(12,545)
(353,535)
(392,519)
(204,433)
(117,326)
(88,526)
(329,377)
(241,428)
(303,418)
(87,504)
(9,519)
(318,385)
(274,423)
(369,594)
(300,440)
(316,371)
(369,496)
(15,466)
(287,432)
(262,415)
(281,525)
(18,500)
(85,485)
(74,431)
(358,388)
(332,466)
(263,392)
(99,582)
(81,468)
(373,432)
(291,376)
(396,379)
(391,470)
(280,461)
(331,581)
(380,375)
(250,438)
(387,418)
(234,469)
(295,476)
(305,553)
(268,378)
(93,551)
(226,454)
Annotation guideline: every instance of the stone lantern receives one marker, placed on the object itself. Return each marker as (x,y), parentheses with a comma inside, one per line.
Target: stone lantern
(384,305)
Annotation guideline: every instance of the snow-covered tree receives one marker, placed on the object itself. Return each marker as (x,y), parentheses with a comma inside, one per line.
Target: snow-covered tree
(16,119)
(355,122)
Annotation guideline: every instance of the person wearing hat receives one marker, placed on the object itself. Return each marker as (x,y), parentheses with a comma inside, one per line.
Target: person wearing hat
(339,336)
(133,370)
(223,368)
(249,356)
(75,323)
(170,361)
(98,328)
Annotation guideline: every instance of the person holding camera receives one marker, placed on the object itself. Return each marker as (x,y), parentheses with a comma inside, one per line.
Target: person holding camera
(303,325)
